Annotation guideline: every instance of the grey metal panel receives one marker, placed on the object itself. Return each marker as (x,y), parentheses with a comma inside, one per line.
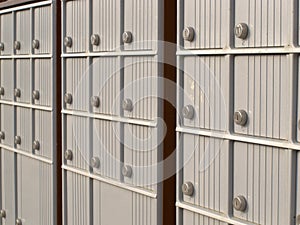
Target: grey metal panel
(263,176)
(43,81)
(261,90)
(268,21)
(7,167)
(43,133)
(7,80)
(107,148)
(24,128)
(7,33)
(206,87)
(107,24)
(77,13)
(197,219)
(23,26)
(77,83)
(23,80)
(210,21)
(141,86)
(207,166)
(7,124)
(298,189)
(106,83)
(34,191)
(139,15)
(43,29)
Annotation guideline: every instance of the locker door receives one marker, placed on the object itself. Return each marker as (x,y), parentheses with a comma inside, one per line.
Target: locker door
(22,91)
(6,33)
(7,80)
(23,136)
(22,43)
(7,125)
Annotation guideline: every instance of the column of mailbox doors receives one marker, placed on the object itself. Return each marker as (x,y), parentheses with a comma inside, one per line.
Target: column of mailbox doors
(28,112)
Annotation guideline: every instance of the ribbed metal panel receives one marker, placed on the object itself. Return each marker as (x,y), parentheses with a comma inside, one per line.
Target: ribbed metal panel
(7,116)
(197,219)
(262,91)
(24,128)
(210,21)
(23,78)
(7,33)
(23,26)
(7,81)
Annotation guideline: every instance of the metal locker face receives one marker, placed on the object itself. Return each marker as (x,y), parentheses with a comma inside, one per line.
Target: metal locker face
(23,135)
(76,19)
(189,217)
(76,149)
(7,125)
(43,134)
(261,91)
(140,25)
(7,167)
(6,34)
(106,34)
(35,195)
(77,73)
(42,93)
(7,80)
(22,43)
(42,38)
(76,199)
(106,81)
(106,157)
(141,85)
(205,172)
(268,23)
(298,190)
(263,177)
(206,82)
(205,24)
(22,91)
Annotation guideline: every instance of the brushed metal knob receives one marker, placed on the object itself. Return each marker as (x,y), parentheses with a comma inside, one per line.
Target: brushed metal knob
(188,34)
(35,44)
(127,105)
(17,140)
(69,155)
(241,117)
(2,91)
(17,45)
(127,37)
(36,145)
(95,39)
(241,31)
(2,213)
(239,203)
(95,162)
(95,101)
(68,98)
(1,46)
(68,42)
(17,93)
(2,135)
(127,171)
(36,95)
(188,112)
(187,188)
(18,222)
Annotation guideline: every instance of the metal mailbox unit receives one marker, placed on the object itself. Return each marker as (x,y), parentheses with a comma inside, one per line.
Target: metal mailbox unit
(28,154)
(110,130)
(237,129)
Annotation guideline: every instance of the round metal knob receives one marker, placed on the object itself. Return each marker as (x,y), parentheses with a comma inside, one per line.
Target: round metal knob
(2,213)
(17,45)
(95,39)
(68,42)
(36,145)
(241,30)
(95,162)
(17,140)
(35,44)
(68,98)
(1,46)
(187,188)
(188,34)
(95,101)
(240,203)
(68,155)
(127,171)
(241,117)
(2,135)
(17,93)
(2,91)
(127,105)
(36,95)
(127,37)
(18,222)
(188,112)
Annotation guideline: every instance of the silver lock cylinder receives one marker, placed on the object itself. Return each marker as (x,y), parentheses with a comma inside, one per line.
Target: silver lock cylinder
(241,31)
(2,213)
(127,105)
(2,135)
(95,101)
(2,91)
(18,222)
(36,95)
(187,188)
(127,171)
(17,93)
(241,117)
(68,98)
(36,145)
(1,46)
(35,44)
(69,155)
(17,45)
(17,140)
(95,39)
(188,112)
(188,34)
(239,203)
(68,42)
(95,162)
(127,37)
